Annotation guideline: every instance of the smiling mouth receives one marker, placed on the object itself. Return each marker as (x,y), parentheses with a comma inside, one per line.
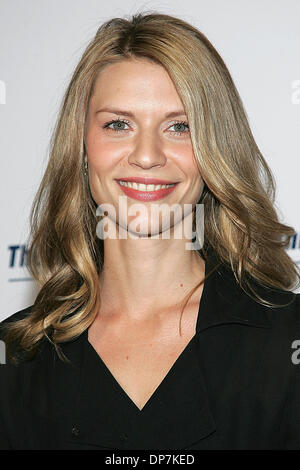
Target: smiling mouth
(145,187)
(146,192)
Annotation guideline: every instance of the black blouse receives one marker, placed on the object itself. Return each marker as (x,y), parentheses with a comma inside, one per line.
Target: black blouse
(235,386)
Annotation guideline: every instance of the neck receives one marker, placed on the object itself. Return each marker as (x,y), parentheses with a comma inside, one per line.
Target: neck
(144,276)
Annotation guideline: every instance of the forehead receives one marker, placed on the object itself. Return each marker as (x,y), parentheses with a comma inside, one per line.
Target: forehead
(135,79)
(132,67)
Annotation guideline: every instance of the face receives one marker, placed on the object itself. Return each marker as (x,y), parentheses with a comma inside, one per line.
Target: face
(130,134)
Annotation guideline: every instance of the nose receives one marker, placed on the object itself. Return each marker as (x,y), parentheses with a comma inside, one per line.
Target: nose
(147,151)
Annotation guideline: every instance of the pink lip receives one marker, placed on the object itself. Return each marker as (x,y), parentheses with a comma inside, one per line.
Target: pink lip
(145,180)
(146,195)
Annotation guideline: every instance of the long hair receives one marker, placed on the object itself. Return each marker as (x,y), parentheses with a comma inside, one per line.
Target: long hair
(64,254)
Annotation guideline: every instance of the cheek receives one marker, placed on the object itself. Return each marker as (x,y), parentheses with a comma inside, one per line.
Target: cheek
(197,182)
(101,156)
(192,172)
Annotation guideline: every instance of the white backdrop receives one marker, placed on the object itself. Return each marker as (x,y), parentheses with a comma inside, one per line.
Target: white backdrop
(41,41)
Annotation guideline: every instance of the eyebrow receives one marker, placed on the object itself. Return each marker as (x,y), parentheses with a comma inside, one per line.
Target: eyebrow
(179,112)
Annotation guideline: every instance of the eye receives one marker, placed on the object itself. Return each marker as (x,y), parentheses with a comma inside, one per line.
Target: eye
(119,123)
(180,124)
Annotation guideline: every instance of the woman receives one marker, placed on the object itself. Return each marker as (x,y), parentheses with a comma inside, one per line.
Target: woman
(138,340)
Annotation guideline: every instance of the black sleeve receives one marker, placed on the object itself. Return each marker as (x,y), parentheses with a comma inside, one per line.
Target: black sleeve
(4,443)
(5,379)
(292,418)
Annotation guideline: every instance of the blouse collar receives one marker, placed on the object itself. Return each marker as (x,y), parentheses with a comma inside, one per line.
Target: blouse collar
(180,412)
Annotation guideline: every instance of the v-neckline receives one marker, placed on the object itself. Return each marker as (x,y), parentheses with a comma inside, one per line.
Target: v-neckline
(172,369)
(160,385)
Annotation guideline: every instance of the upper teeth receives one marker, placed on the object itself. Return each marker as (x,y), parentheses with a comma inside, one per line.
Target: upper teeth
(145,187)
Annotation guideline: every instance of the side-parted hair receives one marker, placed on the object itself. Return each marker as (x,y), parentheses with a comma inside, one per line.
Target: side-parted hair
(65,256)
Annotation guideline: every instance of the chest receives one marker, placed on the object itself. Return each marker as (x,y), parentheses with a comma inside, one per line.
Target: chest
(139,363)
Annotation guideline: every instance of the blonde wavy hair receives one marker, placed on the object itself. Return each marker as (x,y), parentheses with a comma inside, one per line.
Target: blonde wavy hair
(64,254)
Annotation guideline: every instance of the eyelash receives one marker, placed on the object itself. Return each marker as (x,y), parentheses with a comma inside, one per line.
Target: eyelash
(127,122)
